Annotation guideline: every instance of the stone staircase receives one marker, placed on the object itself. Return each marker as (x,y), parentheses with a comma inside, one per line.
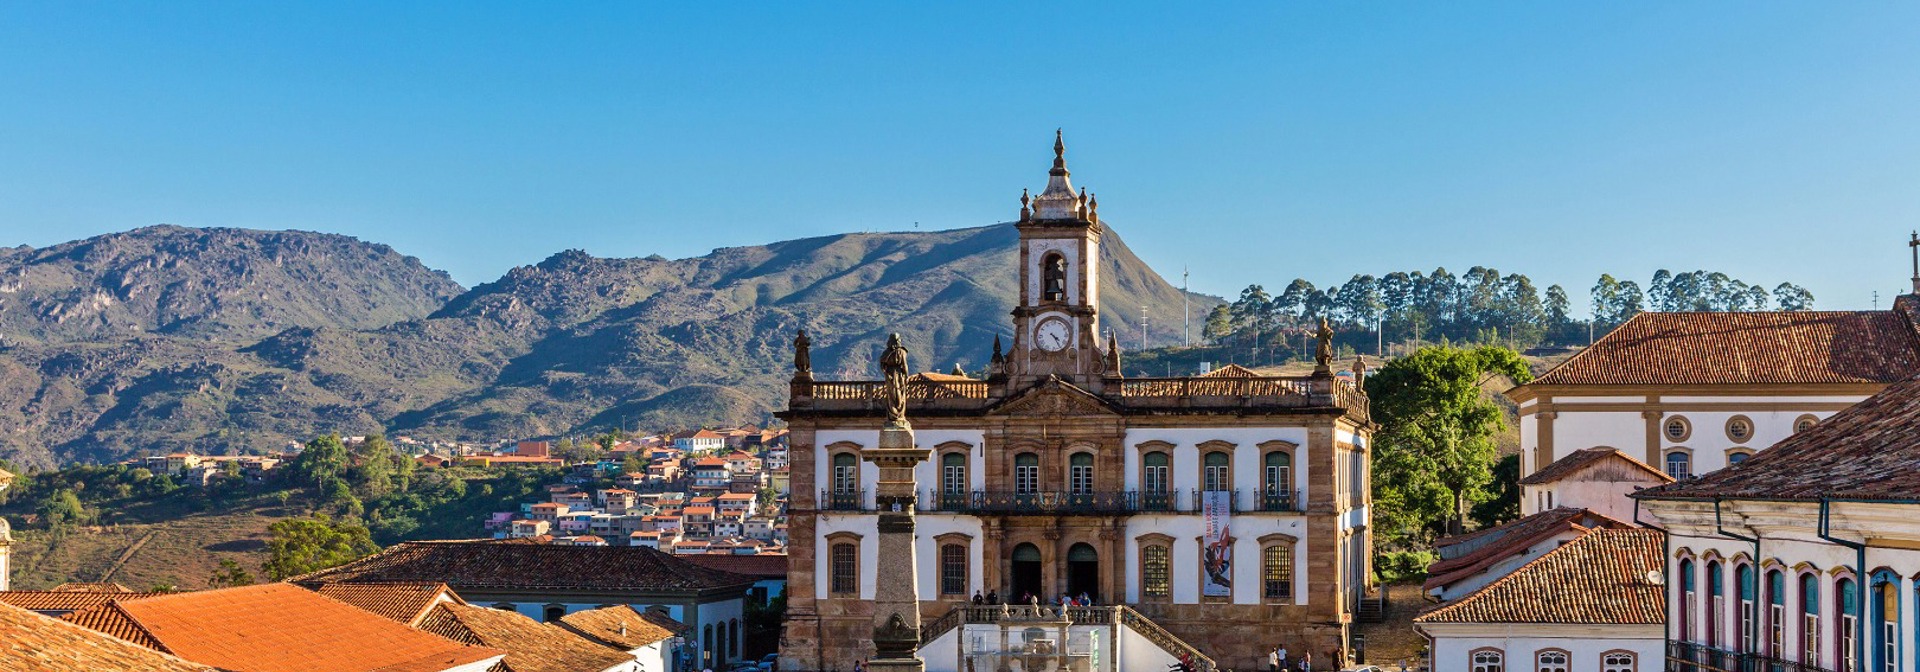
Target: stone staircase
(1108,617)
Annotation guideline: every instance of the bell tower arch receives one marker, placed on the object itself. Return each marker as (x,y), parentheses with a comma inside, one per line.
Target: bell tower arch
(1057,322)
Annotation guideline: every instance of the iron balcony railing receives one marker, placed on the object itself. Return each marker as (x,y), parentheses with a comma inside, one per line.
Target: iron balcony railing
(1278,501)
(843,500)
(1691,657)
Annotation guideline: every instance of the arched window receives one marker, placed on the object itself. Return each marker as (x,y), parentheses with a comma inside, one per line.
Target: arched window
(552,612)
(953,569)
(845,558)
(733,638)
(1276,480)
(1679,464)
(1810,618)
(846,474)
(1053,274)
(953,474)
(1550,660)
(1738,456)
(1848,610)
(1886,622)
(706,643)
(1687,602)
(1276,571)
(1218,471)
(1488,660)
(1155,571)
(1026,473)
(1716,604)
(1618,661)
(1776,612)
(1743,582)
(1080,474)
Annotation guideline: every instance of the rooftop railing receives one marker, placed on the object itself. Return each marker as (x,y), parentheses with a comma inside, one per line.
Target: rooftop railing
(1691,657)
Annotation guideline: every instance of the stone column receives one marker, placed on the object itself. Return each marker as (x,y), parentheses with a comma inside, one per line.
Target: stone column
(896,589)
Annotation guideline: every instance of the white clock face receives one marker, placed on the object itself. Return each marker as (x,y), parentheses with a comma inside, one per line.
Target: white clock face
(1052,336)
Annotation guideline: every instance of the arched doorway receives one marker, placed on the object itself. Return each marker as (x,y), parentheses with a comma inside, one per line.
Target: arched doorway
(1083,571)
(1025,574)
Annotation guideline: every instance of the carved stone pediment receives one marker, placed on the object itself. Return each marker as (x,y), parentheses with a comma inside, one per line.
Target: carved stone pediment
(1054,397)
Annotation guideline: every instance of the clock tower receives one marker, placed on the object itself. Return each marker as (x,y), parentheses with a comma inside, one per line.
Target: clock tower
(1057,322)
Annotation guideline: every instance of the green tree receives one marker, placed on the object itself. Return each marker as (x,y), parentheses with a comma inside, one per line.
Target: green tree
(301,545)
(230,574)
(323,459)
(1219,323)
(62,510)
(1789,296)
(1504,503)
(1434,454)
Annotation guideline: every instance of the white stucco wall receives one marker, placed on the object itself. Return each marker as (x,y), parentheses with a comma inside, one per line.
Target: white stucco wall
(1454,644)
(1186,469)
(1246,530)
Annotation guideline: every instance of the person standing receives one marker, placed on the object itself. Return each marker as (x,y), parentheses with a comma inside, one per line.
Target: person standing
(1306,662)
(1273,659)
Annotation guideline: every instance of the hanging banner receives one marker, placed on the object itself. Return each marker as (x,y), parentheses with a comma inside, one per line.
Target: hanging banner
(1216,506)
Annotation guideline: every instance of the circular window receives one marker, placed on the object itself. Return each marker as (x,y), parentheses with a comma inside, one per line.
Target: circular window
(1678,429)
(1739,429)
(1805,422)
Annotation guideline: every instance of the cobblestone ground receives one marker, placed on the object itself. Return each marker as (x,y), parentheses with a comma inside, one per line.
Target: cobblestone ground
(1390,642)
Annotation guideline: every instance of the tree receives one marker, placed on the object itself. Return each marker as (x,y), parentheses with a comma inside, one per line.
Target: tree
(1559,311)
(229,575)
(1606,296)
(1293,300)
(322,460)
(301,545)
(1360,302)
(62,510)
(1253,309)
(1219,323)
(1435,452)
(1789,296)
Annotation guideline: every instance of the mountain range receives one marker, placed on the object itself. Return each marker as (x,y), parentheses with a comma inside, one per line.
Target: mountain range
(170,338)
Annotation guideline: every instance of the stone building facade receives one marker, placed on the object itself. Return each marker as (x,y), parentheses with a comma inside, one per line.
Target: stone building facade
(1056,475)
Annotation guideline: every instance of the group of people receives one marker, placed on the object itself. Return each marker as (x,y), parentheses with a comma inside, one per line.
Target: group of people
(993,597)
(1279,660)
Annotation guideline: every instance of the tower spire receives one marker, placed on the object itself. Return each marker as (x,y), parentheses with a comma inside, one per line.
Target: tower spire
(1914,243)
(1058,202)
(1059,154)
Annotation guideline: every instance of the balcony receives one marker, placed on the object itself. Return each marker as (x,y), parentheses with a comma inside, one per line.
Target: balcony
(1039,502)
(1279,501)
(1691,657)
(843,500)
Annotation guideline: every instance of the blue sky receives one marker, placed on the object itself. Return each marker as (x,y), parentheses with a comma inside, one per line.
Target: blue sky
(1256,143)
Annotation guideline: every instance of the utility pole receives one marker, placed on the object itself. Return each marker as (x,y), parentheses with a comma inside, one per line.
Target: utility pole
(1143,327)
(1186,301)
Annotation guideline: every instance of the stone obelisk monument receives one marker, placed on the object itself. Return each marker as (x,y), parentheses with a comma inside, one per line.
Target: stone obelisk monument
(896,590)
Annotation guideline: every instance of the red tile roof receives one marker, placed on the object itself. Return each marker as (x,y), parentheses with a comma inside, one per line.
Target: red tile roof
(108,587)
(1581,459)
(1868,451)
(1231,371)
(757,566)
(489,564)
(1509,539)
(1734,348)
(30,642)
(64,600)
(281,627)
(1600,578)
(618,626)
(531,646)
(110,619)
(400,601)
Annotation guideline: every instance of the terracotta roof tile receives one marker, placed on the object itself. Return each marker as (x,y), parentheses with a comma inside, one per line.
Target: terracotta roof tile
(281,627)
(1868,451)
(30,642)
(108,587)
(400,601)
(64,600)
(1586,457)
(110,619)
(1733,348)
(1511,538)
(618,626)
(487,564)
(1600,578)
(758,566)
(531,646)
(1230,371)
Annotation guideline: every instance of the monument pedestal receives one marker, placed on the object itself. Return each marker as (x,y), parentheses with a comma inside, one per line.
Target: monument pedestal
(896,590)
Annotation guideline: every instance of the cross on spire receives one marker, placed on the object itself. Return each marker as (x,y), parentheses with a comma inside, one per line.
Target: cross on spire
(1914,245)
